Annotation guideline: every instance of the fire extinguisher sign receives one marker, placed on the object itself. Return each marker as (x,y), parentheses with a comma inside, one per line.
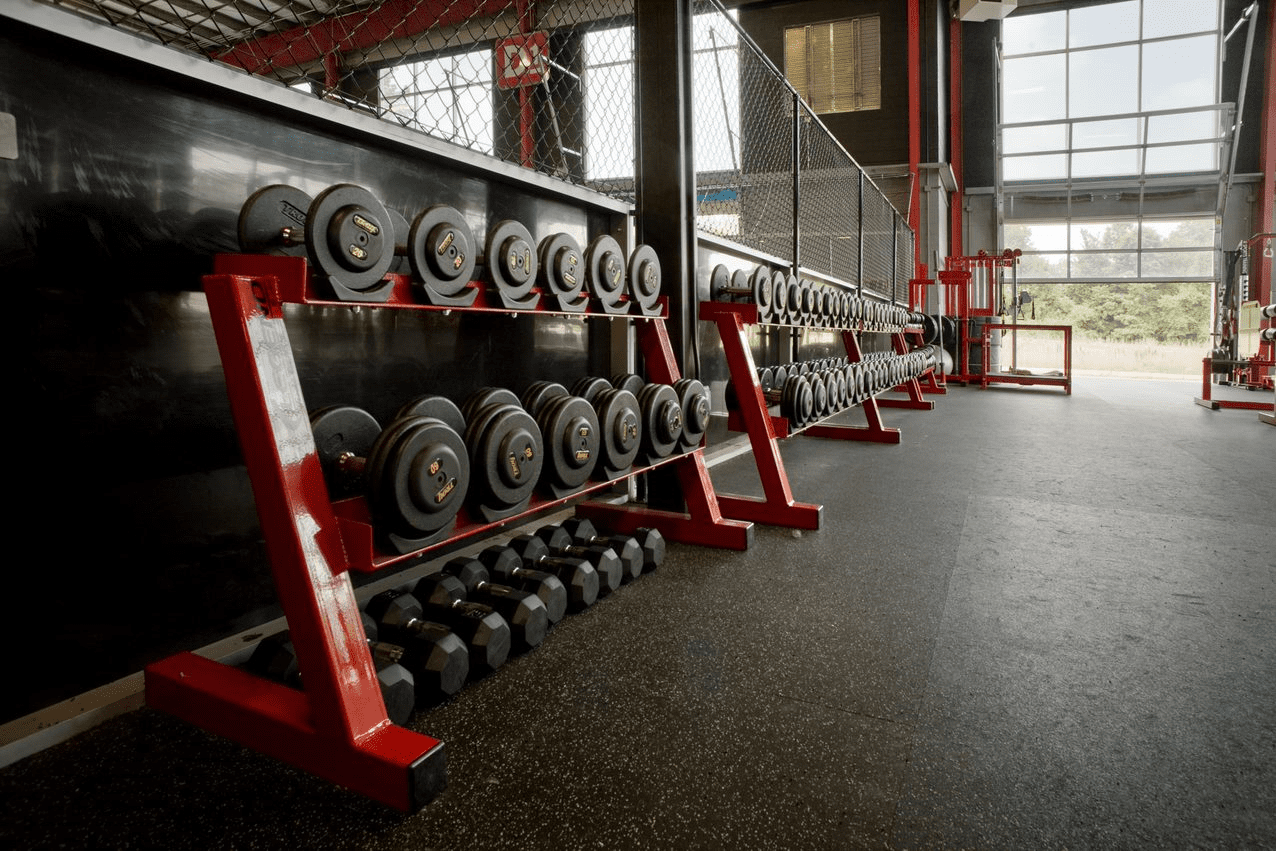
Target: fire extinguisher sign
(522,60)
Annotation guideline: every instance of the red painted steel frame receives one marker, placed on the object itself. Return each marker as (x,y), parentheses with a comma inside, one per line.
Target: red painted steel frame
(338,727)
(1205,400)
(874,432)
(912,386)
(777,507)
(1064,381)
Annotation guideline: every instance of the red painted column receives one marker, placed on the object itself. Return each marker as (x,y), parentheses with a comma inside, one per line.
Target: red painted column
(526,113)
(1262,268)
(915,129)
(956,153)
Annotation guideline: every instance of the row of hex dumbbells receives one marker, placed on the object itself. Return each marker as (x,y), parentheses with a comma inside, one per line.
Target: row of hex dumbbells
(811,390)
(784,299)
(464,620)
(494,450)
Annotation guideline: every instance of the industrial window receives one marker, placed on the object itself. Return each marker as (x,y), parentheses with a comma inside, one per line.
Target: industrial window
(449,97)
(1116,90)
(836,66)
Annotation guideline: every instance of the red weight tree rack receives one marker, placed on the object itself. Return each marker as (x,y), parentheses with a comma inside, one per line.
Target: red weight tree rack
(338,728)
(777,507)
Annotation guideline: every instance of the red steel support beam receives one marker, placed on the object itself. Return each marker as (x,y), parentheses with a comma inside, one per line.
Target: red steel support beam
(915,130)
(394,19)
(955,152)
(1262,270)
(526,114)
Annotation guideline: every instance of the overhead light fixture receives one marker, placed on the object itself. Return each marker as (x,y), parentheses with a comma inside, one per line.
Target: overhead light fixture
(983,10)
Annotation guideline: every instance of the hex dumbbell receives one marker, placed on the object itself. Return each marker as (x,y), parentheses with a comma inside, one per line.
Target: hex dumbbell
(524,612)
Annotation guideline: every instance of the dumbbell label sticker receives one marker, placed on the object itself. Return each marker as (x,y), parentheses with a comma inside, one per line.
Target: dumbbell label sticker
(363,224)
(582,455)
(514,468)
(435,466)
(358,253)
(445,490)
(295,213)
(447,242)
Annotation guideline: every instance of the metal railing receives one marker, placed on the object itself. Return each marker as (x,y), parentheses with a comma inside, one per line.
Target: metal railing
(771,177)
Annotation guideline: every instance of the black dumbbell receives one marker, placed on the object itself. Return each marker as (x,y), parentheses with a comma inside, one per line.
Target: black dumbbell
(560,541)
(415,474)
(503,564)
(484,636)
(275,658)
(577,575)
(604,560)
(524,612)
(651,544)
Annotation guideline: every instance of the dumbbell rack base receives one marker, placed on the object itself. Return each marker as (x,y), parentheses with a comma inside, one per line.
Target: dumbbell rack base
(912,386)
(338,728)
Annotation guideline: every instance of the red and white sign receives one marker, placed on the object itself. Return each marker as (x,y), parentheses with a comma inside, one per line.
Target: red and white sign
(522,60)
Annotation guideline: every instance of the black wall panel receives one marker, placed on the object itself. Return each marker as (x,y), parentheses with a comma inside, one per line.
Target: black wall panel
(141,528)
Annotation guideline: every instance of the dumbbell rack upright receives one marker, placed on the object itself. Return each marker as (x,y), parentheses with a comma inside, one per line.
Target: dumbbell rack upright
(912,386)
(777,506)
(337,728)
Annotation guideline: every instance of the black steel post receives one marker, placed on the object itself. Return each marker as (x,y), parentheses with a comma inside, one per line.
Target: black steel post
(797,182)
(666,183)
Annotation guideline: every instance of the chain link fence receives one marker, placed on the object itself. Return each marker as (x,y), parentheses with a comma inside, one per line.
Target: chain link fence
(549,85)
(748,125)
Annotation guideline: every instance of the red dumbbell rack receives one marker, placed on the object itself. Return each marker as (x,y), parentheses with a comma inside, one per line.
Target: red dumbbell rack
(338,728)
(913,386)
(777,507)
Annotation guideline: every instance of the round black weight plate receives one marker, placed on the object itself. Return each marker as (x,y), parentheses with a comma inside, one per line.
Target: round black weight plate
(342,431)
(562,265)
(273,221)
(628,381)
(795,299)
(661,420)
(589,386)
(485,396)
(766,377)
(424,479)
(779,297)
(572,436)
(441,250)
(511,450)
(763,291)
(349,237)
(741,282)
(644,277)
(511,258)
(619,418)
(539,393)
(605,269)
(435,407)
(694,401)
(719,280)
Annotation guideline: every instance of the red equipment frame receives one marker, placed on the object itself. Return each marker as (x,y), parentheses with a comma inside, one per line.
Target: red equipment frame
(912,386)
(338,727)
(777,507)
(988,377)
(1205,400)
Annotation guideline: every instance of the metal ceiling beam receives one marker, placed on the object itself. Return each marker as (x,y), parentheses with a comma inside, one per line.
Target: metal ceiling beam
(360,30)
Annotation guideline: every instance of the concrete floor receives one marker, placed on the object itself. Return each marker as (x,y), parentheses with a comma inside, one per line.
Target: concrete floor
(1040,622)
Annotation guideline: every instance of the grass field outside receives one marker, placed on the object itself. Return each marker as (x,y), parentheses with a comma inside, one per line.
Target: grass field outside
(1044,350)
